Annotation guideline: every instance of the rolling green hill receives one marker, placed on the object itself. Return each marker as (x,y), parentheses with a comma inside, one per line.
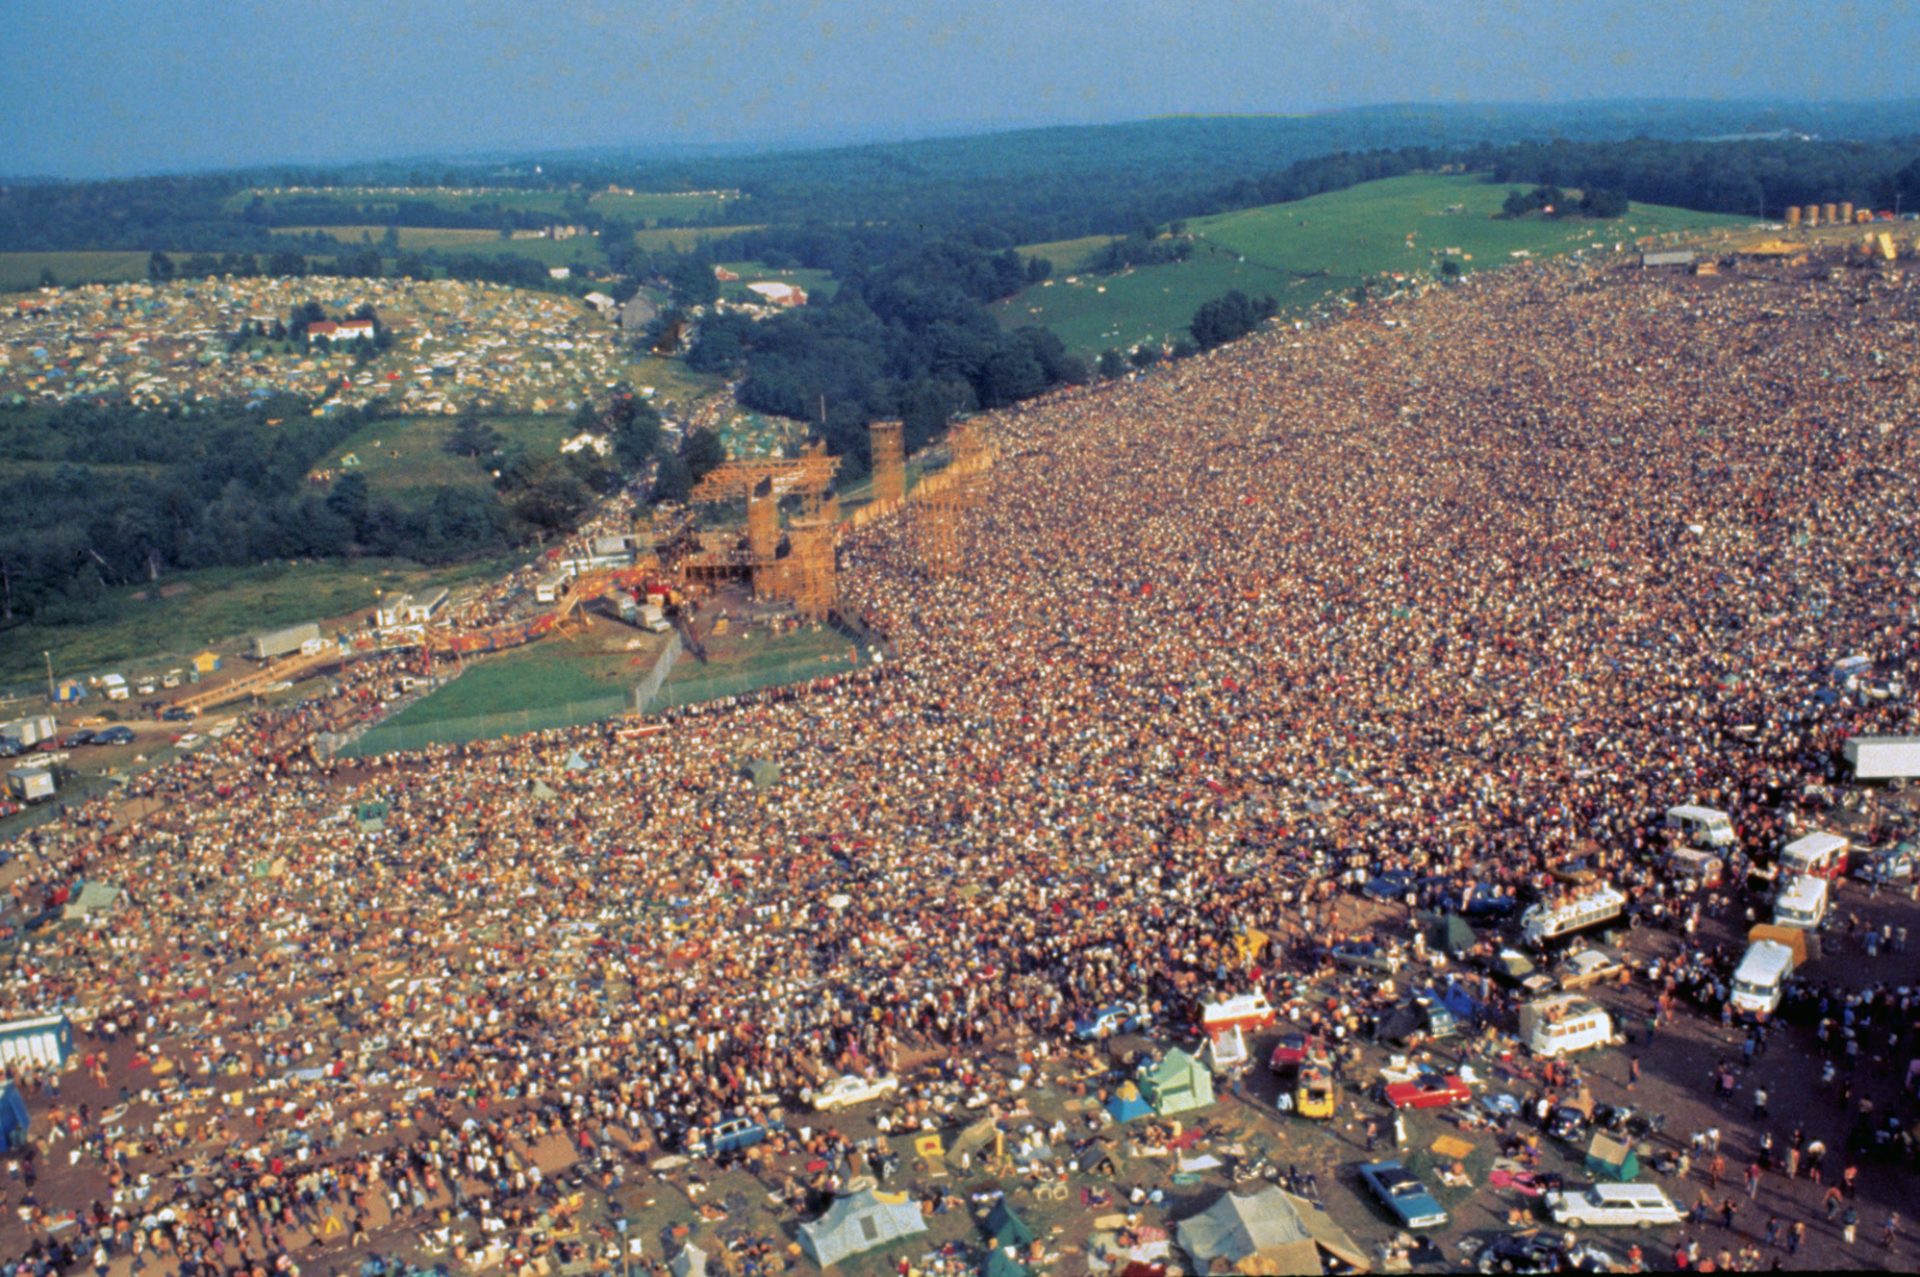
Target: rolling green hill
(1302,252)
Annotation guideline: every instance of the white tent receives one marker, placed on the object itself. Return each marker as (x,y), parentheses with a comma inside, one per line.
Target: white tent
(1267,1232)
(859,1222)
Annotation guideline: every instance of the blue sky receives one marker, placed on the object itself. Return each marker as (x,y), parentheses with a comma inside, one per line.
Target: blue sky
(131,86)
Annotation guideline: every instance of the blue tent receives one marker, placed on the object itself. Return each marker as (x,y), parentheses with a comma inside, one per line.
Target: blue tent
(1126,1104)
(1457,998)
(14,1123)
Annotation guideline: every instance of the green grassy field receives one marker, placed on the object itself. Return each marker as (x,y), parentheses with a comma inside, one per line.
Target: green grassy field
(675,386)
(207,608)
(1067,255)
(417,237)
(20,271)
(1302,252)
(406,458)
(686,237)
(650,206)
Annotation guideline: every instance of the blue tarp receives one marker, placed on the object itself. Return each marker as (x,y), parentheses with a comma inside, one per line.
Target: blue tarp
(14,1123)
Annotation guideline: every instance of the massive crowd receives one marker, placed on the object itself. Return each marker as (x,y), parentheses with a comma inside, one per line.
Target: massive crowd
(1470,588)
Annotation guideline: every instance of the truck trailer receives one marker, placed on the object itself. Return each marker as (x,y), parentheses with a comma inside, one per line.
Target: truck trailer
(264,647)
(1884,757)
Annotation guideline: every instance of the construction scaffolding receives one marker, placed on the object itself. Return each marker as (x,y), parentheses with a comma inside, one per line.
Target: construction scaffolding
(811,569)
(889,444)
(943,502)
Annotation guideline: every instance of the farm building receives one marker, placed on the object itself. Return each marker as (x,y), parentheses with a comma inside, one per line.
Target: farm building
(779,294)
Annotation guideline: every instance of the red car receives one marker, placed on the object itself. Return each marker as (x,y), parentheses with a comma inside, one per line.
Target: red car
(1429,1091)
(1296,1048)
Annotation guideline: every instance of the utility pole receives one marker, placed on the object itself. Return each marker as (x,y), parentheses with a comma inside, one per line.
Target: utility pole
(52,696)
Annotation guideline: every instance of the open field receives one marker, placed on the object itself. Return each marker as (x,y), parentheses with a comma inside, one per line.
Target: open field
(420,237)
(1066,255)
(675,386)
(406,458)
(683,238)
(140,629)
(650,206)
(20,271)
(1305,251)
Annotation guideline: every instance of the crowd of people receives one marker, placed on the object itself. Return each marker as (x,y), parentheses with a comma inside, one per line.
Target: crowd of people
(1470,588)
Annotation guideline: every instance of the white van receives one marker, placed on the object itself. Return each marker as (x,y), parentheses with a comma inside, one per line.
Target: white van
(1817,855)
(115,687)
(1703,826)
(1761,977)
(1564,1024)
(1802,902)
(1551,919)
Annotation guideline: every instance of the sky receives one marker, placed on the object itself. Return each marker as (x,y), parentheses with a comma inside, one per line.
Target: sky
(140,86)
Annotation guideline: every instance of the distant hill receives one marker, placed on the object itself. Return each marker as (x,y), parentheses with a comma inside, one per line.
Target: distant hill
(1305,252)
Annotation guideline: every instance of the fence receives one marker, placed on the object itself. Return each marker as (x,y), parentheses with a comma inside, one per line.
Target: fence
(662,666)
(388,738)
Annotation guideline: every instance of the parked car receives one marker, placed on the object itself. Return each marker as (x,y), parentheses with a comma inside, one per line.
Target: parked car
(733,1135)
(1428,1091)
(1613,1206)
(1883,865)
(1541,1253)
(74,740)
(178,714)
(1517,971)
(1401,1192)
(1367,955)
(115,735)
(849,1090)
(1587,966)
(1296,1048)
(1120,1017)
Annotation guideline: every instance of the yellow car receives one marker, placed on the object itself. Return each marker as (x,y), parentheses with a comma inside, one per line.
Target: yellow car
(1314,1094)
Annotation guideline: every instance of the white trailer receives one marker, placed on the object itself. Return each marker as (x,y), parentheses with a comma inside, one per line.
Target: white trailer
(265,647)
(32,729)
(1884,757)
(30,784)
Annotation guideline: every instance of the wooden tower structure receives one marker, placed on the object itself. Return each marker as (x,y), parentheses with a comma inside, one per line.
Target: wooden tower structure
(889,441)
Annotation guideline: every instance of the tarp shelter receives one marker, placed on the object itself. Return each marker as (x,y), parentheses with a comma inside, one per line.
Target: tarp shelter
(95,899)
(206,662)
(761,772)
(1176,1084)
(1449,932)
(1455,997)
(70,691)
(860,1222)
(1612,1158)
(15,1126)
(690,1262)
(1126,1104)
(1007,1228)
(575,763)
(40,1039)
(541,789)
(1261,1233)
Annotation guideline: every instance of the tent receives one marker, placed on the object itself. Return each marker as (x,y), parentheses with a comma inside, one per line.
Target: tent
(690,1262)
(1450,933)
(1176,1084)
(542,790)
(859,1222)
(1455,997)
(95,899)
(1261,1233)
(576,763)
(761,772)
(1007,1228)
(1126,1104)
(1611,1158)
(14,1123)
